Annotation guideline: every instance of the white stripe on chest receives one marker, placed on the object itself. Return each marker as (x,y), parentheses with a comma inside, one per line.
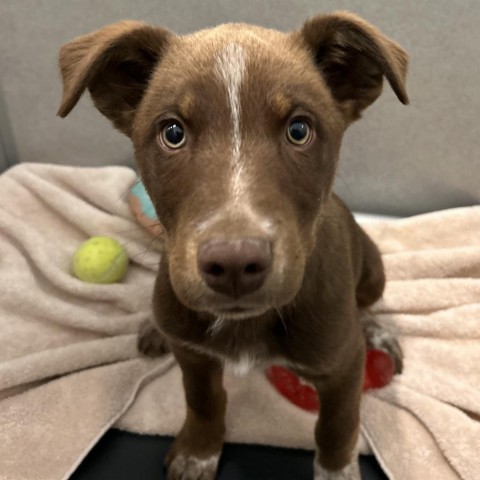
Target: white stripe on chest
(230,67)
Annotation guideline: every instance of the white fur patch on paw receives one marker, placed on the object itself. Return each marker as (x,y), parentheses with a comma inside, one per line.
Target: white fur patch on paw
(381,338)
(350,472)
(193,468)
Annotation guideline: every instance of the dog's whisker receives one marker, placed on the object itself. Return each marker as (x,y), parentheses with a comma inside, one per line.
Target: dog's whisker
(152,242)
(216,325)
(345,183)
(140,228)
(144,252)
(128,190)
(153,225)
(282,319)
(129,230)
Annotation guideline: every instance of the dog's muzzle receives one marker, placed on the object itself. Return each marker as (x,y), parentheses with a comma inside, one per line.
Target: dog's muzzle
(234,267)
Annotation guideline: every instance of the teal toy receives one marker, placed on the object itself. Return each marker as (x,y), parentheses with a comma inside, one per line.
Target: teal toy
(143,209)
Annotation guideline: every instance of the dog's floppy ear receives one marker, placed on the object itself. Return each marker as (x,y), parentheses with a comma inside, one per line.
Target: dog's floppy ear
(115,64)
(353,57)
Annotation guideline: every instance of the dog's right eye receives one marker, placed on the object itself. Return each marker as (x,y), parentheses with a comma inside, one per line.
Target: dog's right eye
(299,132)
(173,134)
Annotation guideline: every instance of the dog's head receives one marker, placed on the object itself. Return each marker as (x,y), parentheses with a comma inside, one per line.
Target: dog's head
(237,133)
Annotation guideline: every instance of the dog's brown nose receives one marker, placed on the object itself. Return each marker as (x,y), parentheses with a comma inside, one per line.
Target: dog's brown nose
(234,267)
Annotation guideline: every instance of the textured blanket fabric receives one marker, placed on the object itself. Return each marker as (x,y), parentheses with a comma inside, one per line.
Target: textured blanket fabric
(69,368)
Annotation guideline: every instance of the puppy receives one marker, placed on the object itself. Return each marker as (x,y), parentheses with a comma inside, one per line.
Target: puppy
(237,132)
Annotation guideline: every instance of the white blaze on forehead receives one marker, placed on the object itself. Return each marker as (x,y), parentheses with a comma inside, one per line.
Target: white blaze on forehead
(230,67)
(231,70)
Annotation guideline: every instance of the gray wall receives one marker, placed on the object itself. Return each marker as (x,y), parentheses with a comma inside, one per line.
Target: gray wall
(3,157)
(399,160)
(8,152)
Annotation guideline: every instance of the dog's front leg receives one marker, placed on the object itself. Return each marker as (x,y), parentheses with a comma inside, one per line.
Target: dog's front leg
(197,448)
(337,428)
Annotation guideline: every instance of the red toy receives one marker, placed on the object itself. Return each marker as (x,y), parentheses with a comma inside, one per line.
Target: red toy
(379,371)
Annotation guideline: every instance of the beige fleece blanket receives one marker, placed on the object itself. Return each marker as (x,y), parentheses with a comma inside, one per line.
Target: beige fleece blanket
(69,369)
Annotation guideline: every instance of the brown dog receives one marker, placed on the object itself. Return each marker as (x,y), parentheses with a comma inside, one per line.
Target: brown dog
(237,132)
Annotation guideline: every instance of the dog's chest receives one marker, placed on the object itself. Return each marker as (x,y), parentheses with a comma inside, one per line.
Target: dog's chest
(248,361)
(241,366)
(240,356)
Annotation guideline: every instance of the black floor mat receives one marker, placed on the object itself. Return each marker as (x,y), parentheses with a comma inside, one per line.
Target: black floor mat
(126,456)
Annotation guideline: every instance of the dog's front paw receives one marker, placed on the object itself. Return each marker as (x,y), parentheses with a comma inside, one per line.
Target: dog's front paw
(190,467)
(350,472)
(150,341)
(379,338)
(194,454)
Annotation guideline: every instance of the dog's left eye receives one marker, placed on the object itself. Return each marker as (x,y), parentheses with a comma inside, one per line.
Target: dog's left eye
(173,134)
(298,132)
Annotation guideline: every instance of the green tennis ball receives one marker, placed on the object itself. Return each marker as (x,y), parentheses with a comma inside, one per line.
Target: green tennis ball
(100,260)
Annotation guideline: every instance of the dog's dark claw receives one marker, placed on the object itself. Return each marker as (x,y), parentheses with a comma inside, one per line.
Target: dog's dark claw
(150,341)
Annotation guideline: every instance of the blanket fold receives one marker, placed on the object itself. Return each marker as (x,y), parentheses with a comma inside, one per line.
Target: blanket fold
(69,369)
